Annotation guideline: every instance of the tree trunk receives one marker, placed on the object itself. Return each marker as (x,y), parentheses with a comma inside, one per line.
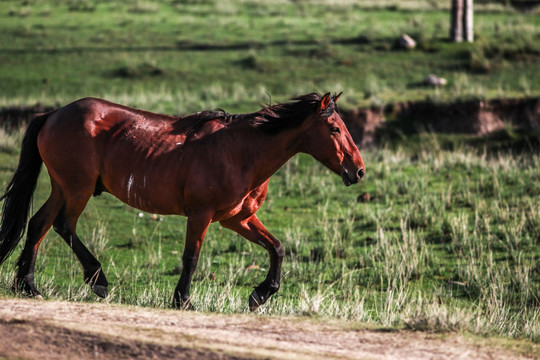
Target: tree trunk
(456,21)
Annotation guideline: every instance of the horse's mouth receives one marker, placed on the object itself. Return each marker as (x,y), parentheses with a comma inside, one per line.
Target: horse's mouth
(346,179)
(352,178)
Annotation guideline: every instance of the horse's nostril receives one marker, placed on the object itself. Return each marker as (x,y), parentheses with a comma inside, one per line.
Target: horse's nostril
(361,173)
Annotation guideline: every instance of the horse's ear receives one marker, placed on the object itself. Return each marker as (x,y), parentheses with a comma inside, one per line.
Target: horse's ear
(336,97)
(325,101)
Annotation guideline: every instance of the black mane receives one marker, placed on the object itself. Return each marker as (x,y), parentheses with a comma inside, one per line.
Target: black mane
(271,119)
(274,118)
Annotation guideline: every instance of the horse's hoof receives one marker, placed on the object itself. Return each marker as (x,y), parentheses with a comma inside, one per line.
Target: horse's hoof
(101,291)
(20,285)
(255,300)
(188,306)
(183,305)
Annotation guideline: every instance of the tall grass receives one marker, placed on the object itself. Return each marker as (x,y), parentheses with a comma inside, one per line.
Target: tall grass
(448,242)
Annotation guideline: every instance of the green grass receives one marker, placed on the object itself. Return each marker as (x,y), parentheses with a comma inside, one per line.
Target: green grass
(448,242)
(450,238)
(161,55)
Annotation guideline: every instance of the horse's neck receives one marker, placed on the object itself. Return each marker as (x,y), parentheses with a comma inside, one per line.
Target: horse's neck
(271,152)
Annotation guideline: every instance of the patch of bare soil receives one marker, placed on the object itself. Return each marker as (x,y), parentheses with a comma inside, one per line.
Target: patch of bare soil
(473,117)
(16,116)
(31,329)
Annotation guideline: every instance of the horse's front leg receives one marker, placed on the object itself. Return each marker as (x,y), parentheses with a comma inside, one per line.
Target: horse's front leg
(252,229)
(197,225)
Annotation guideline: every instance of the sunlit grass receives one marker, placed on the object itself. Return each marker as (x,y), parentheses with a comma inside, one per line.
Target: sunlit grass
(448,242)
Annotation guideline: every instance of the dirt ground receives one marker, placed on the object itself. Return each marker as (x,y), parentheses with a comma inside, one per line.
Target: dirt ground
(31,329)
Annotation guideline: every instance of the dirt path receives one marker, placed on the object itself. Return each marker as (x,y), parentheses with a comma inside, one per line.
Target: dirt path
(60,330)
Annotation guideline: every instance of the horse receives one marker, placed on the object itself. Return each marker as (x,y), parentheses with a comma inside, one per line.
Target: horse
(210,166)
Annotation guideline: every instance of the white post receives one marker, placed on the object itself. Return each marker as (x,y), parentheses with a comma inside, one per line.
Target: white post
(468,28)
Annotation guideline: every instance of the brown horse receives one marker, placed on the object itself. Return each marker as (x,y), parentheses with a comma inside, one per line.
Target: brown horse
(209,166)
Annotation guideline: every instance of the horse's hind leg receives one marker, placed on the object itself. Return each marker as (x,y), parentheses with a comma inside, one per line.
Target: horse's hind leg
(38,227)
(65,225)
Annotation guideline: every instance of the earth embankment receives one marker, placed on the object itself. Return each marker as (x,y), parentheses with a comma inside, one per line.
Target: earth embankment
(32,329)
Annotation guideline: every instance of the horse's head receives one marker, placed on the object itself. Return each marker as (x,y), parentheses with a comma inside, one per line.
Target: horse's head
(327,139)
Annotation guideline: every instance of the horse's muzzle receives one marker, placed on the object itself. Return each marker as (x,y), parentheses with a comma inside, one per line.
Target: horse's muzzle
(350,178)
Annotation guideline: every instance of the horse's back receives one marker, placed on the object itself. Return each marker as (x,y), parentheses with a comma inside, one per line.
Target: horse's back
(90,121)
(97,115)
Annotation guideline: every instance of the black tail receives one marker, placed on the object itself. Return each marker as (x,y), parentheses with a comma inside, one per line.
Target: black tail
(20,190)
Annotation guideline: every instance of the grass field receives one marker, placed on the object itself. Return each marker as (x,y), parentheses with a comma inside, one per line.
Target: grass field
(449,239)
(183,56)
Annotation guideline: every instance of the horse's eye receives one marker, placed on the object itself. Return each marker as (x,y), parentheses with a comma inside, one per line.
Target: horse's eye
(335,130)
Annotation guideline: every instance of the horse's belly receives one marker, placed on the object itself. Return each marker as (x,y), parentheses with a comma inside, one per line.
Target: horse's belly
(146,194)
